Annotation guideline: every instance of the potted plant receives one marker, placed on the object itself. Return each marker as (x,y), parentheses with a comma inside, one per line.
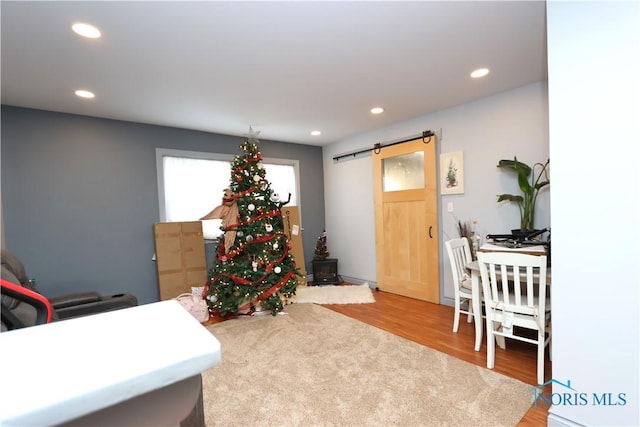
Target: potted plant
(530,180)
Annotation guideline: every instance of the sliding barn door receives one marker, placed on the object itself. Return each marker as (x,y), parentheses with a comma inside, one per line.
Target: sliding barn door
(406,214)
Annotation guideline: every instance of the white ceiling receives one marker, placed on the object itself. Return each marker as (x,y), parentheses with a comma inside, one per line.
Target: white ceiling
(284,68)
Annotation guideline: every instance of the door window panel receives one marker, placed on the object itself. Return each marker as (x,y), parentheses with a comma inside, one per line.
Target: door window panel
(404,172)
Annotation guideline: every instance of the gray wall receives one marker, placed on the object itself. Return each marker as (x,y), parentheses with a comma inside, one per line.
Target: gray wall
(80,196)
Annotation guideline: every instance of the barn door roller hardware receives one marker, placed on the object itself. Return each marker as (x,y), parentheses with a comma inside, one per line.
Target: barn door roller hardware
(426,135)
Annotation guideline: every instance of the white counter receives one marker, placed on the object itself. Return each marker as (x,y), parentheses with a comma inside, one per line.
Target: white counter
(54,373)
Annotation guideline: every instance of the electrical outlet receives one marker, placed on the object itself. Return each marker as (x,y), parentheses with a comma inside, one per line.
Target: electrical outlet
(450,207)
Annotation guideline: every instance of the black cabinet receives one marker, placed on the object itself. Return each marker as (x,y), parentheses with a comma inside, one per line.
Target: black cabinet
(325,272)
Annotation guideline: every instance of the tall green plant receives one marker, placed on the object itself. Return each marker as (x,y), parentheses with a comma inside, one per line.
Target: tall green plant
(530,180)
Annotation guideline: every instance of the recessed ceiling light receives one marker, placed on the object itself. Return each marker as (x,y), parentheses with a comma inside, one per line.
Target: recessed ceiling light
(86,30)
(480,72)
(377,110)
(316,132)
(85,94)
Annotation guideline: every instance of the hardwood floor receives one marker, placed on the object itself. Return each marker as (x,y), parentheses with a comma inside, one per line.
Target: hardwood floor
(431,325)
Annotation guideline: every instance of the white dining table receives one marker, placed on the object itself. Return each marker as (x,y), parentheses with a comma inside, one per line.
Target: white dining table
(476,297)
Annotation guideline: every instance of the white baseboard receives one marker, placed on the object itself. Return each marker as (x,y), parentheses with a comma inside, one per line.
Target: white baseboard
(356,281)
(558,421)
(349,279)
(447,301)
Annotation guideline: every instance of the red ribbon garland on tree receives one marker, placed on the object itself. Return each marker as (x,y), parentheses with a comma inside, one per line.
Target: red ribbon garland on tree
(254,219)
(268,268)
(231,254)
(238,195)
(275,288)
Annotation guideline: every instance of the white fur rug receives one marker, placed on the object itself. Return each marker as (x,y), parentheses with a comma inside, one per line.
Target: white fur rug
(347,294)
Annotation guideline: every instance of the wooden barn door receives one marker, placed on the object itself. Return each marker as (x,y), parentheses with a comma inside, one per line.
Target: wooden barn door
(406,215)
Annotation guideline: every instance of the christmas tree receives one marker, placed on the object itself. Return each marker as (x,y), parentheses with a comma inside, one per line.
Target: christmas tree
(321,253)
(254,269)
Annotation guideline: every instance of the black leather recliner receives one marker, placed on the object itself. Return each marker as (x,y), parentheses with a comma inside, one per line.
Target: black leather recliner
(20,309)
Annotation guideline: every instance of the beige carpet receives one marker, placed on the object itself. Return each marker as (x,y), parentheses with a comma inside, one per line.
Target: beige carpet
(315,367)
(346,294)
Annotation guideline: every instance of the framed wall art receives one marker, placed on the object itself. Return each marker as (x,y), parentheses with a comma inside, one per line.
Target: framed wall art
(451,173)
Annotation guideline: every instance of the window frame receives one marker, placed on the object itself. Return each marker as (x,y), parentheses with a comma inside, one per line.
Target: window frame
(203,155)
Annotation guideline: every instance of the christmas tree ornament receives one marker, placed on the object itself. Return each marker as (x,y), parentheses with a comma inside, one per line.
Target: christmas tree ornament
(251,206)
(256,178)
(249,238)
(277,270)
(268,227)
(254,265)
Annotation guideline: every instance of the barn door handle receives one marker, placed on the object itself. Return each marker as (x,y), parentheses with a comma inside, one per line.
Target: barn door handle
(430,230)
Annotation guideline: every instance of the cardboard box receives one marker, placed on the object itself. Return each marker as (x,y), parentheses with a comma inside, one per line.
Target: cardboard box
(180,259)
(293,230)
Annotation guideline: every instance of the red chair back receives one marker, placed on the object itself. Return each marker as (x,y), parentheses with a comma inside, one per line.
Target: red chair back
(44,311)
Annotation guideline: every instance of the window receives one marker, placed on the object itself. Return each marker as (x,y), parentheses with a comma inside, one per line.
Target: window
(404,172)
(191,184)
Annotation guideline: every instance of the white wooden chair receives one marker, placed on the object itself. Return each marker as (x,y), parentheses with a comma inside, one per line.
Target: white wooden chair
(515,295)
(459,255)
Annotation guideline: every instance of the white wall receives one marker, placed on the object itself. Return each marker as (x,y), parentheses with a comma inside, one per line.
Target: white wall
(594,105)
(497,127)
